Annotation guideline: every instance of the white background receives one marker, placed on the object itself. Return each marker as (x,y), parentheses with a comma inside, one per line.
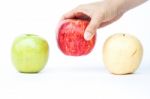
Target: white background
(69,77)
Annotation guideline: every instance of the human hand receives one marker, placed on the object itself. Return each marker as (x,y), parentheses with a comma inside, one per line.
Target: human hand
(101,13)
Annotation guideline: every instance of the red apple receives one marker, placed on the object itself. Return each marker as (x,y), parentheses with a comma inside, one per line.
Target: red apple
(70,37)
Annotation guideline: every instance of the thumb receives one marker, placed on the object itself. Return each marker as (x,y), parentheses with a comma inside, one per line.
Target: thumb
(91,28)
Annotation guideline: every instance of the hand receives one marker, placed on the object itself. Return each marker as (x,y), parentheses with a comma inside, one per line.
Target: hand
(101,13)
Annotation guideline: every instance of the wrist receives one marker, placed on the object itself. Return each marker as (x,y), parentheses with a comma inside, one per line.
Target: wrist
(117,6)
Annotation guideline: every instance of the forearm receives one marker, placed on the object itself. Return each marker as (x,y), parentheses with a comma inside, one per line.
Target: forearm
(125,5)
(129,4)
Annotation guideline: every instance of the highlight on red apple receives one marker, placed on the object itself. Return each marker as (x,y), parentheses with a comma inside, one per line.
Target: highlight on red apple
(70,37)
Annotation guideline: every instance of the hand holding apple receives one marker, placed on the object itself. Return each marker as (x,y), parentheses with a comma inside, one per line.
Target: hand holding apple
(70,37)
(29,53)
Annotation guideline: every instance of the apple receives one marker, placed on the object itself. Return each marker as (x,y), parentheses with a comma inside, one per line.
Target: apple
(122,53)
(29,53)
(70,37)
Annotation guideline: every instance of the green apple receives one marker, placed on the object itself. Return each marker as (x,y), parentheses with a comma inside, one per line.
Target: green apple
(29,53)
(122,53)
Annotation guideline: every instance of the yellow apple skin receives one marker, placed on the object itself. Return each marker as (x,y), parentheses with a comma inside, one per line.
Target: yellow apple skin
(122,53)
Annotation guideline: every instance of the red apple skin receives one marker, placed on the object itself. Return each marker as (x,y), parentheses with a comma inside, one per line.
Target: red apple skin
(70,37)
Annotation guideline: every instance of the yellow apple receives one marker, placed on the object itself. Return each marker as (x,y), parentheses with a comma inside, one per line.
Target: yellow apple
(122,53)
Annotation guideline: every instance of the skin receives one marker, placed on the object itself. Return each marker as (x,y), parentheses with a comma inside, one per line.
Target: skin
(101,13)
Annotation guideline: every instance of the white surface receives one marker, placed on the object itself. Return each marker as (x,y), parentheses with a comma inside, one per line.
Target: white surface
(68,77)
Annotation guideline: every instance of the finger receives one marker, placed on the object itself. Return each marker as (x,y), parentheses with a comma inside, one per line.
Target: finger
(92,27)
(76,15)
(68,15)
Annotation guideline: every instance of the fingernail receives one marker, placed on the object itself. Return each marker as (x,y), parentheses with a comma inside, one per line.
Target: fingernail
(87,36)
